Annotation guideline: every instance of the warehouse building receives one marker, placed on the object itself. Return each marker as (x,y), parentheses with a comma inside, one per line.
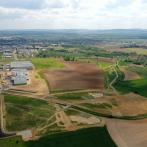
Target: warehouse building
(19,80)
(22,72)
(19,76)
(21,65)
(19,72)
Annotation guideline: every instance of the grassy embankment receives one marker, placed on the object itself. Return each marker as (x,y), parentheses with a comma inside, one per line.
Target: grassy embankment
(138,86)
(103,65)
(47,63)
(110,75)
(74,96)
(90,137)
(23,112)
(42,64)
(95,106)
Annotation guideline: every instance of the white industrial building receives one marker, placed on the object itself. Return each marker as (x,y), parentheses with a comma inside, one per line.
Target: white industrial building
(21,65)
(19,71)
(19,76)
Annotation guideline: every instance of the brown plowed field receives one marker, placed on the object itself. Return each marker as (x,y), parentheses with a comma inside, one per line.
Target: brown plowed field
(128,133)
(75,76)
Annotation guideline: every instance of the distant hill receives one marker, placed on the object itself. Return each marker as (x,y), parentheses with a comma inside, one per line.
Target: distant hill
(71,36)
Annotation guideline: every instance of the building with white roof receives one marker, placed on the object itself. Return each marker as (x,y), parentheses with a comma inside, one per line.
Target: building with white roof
(21,65)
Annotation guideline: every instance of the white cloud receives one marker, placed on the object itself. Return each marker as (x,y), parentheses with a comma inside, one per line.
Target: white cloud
(90,14)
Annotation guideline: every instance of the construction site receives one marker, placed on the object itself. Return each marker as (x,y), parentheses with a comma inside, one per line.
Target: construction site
(15,73)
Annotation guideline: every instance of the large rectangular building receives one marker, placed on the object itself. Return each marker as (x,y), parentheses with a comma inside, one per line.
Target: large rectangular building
(21,65)
(19,80)
(19,76)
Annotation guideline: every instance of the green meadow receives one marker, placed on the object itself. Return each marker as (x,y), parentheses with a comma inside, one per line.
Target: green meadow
(24,112)
(138,86)
(89,137)
(44,63)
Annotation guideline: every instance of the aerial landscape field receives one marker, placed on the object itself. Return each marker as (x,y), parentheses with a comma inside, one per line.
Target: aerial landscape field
(73,73)
(70,91)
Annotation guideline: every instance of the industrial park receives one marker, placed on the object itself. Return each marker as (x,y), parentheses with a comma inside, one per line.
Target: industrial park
(15,73)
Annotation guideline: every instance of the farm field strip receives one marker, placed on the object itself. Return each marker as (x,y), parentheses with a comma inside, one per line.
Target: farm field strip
(128,133)
(33,112)
(43,63)
(94,136)
(75,76)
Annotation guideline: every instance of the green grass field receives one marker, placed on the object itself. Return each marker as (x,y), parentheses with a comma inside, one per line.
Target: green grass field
(103,65)
(12,142)
(136,86)
(42,63)
(139,51)
(23,112)
(90,137)
(74,96)
(110,75)
(71,111)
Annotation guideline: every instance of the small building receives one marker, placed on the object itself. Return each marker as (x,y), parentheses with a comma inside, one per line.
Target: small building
(19,80)
(21,65)
(22,72)
(19,76)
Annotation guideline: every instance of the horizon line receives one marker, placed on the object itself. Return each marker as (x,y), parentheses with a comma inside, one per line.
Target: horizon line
(29,29)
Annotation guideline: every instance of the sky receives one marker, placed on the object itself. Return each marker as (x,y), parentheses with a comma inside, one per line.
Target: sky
(73,14)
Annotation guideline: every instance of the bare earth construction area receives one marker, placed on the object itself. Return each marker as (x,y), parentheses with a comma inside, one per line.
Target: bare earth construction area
(128,133)
(75,77)
(36,86)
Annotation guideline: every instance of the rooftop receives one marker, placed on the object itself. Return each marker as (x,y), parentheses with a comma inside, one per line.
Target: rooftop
(21,64)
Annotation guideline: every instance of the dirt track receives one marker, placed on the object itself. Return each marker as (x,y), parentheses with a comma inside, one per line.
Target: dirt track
(75,76)
(128,133)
